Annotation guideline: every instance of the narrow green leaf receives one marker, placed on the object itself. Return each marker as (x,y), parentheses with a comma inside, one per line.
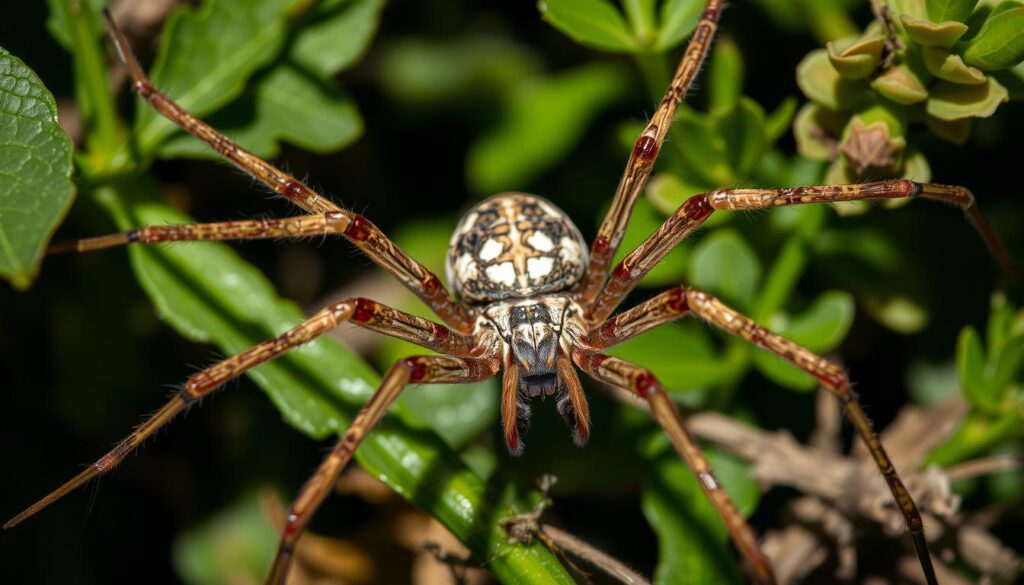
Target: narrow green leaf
(776,124)
(678,19)
(970,364)
(726,265)
(595,23)
(545,117)
(725,76)
(693,542)
(207,293)
(206,56)
(742,130)
(338,34)
(283,105)
(35,171)
(1007,362)
(945,10)
(1000,42)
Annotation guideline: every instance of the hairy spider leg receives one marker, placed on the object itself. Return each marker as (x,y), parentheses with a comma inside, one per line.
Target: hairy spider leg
(682,300)
(640,381)
(363,312)
(360,231)
(645,152)
(413,370)
(695,210)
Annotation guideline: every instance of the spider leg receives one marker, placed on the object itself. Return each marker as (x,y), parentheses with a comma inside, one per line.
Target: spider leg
(359,230)
(681,300)
(692,213)
(645,152)
(363,312)
(642,382)
(328,223)
(414,370)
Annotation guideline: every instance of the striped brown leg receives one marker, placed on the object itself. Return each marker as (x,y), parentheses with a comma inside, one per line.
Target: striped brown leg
(357,229)
(325,224)
(698,208)
(837,382)
(414,370)
(641,382)
(366,313)
(645,151)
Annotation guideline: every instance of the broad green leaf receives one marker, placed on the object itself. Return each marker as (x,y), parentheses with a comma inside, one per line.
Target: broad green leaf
(945,10)
(206,55)
(705,153)
(725,76)
(820,82)
(283,105)
(724,264)
(678,19)
(742,130)
(428,71)
(681,356)
(953,101)
(35,171)
(237,543)
(970,365)
(945,65)
(693,542)
(820,328)
(207,293)
(338,34)
(901,85)
(927,34)
(595,23)
(1000,42)
(544,118)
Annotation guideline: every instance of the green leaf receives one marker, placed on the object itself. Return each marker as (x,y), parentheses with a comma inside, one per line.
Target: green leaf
(725,76)
(207,55)
(283,105)
(35,171)
(858,58)
(900,85)
(595,23)
(207,293)
(944,10)
(1000,42)
(704,152)
(817,131)
(678,19)
(238,542)
(926,34)
(742,130)
(820,328)
(58,21)
(954,101)
(681,356)
(945,65)
(970,365)
(776,124)
(724,264)
(693,542)
(544,118)
(820,82)
(339,34)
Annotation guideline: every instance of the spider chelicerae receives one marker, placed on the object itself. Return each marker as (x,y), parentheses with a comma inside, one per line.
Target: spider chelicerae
(532,300)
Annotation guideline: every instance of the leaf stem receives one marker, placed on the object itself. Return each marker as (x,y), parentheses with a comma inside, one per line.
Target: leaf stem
(104,134)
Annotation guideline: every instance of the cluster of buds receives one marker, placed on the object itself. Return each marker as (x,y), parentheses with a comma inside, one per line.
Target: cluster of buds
(942,63)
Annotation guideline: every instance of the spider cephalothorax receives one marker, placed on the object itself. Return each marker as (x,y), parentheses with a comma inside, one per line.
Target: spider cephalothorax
(528,300)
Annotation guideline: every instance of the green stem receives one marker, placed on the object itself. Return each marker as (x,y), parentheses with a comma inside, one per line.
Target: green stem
(655,73)
(640,14)
(782,278)
(104,135)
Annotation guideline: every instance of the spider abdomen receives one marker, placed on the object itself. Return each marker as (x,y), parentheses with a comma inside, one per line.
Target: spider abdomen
(514,245)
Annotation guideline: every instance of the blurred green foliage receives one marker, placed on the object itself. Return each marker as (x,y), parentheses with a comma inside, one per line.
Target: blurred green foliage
(531,110)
